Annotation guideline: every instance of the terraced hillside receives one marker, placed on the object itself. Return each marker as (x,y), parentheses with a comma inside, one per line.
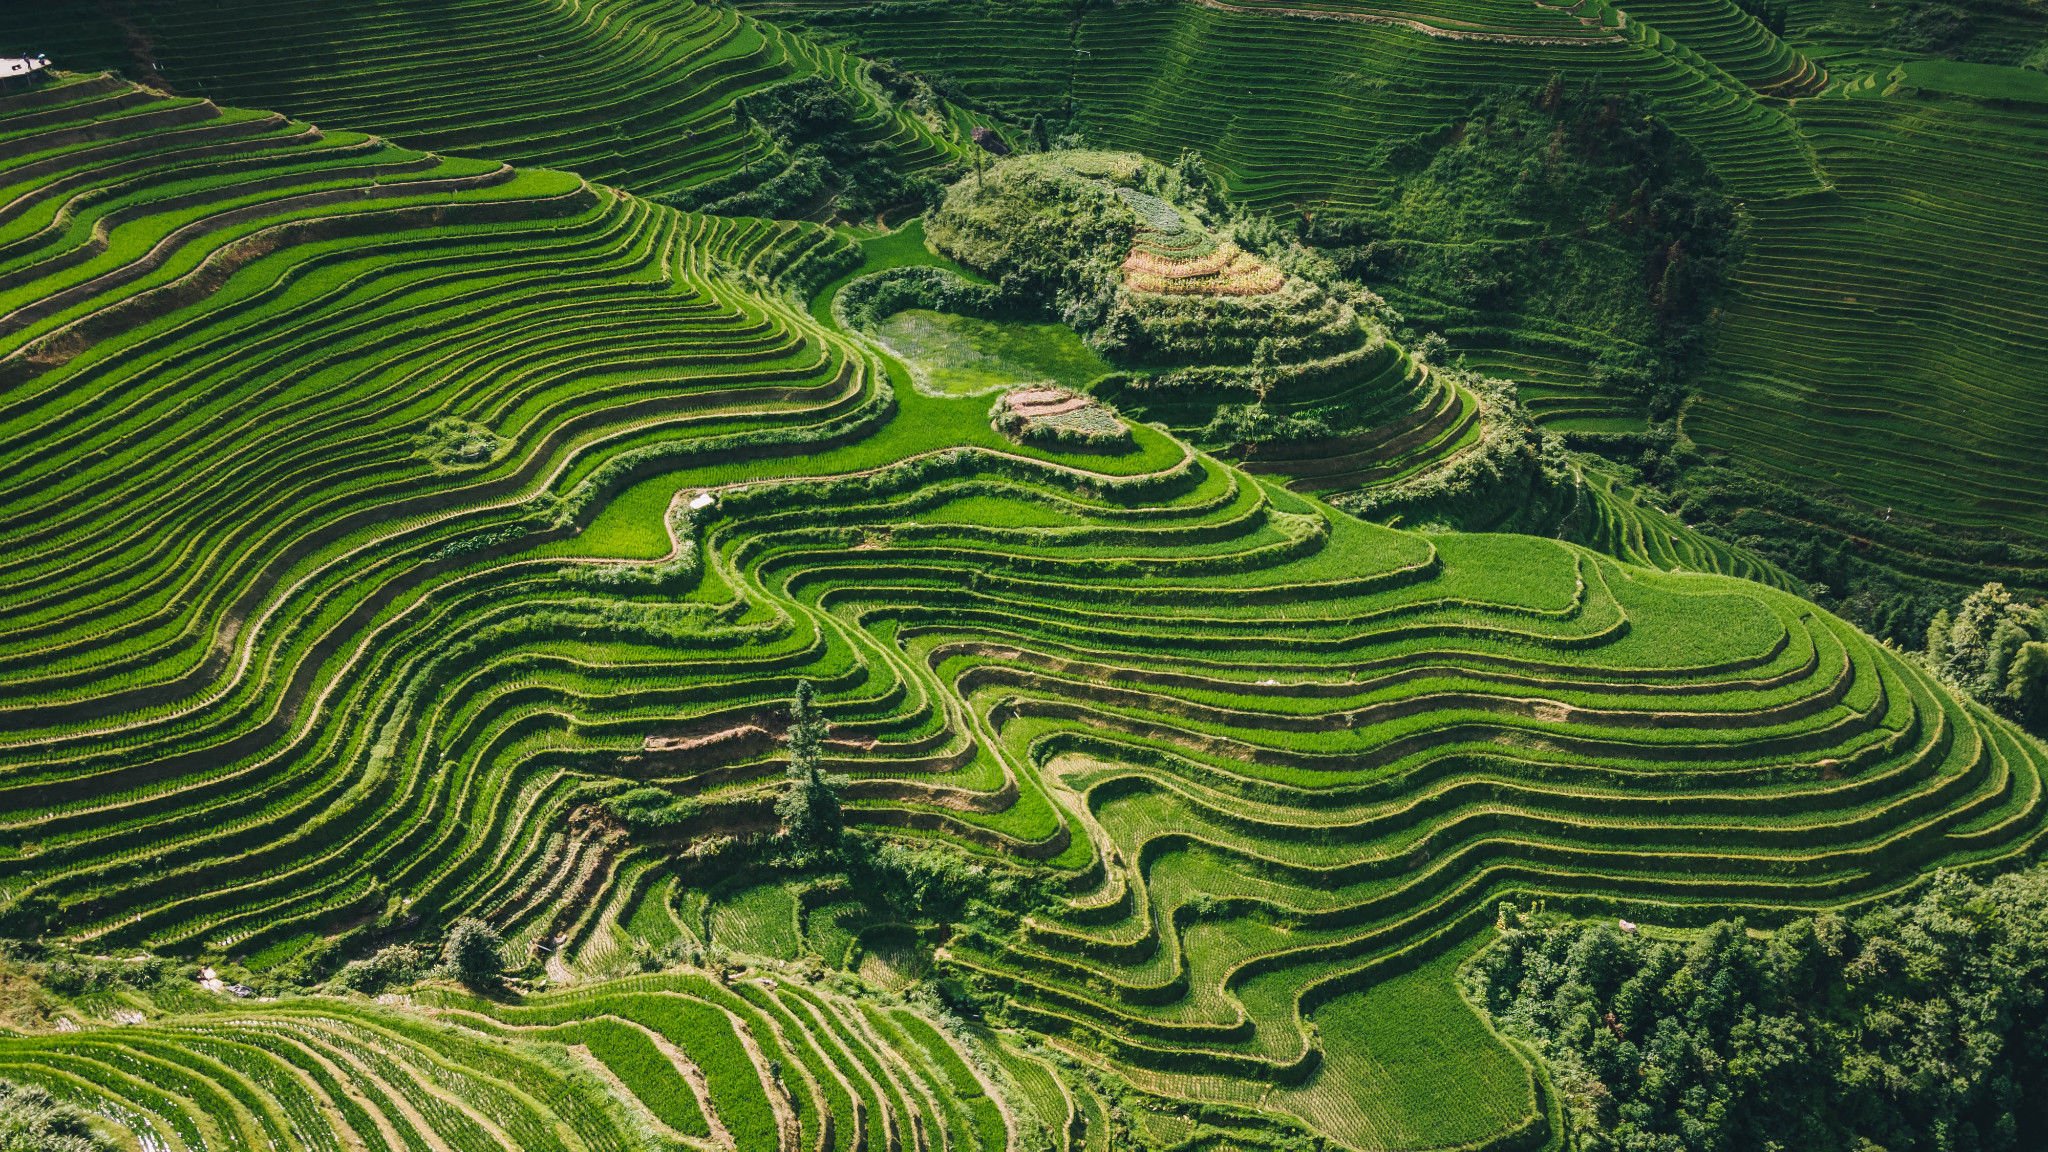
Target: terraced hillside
(1886,337)
(625,92)
(1876,356)
(1161,76)
(654,1061)
(377,513)
(273,390)
(1858,393)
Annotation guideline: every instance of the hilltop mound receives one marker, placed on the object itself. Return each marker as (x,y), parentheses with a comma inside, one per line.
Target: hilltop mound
(1139,257)
(1239,340)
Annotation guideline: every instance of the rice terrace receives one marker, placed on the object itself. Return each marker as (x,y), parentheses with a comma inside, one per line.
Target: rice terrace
(1023,576)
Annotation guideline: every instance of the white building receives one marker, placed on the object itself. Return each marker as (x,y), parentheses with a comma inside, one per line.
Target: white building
(15,67)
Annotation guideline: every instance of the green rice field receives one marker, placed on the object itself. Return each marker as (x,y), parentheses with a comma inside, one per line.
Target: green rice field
(428,499)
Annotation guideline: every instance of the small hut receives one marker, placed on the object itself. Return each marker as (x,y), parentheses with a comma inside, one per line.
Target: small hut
(21,70)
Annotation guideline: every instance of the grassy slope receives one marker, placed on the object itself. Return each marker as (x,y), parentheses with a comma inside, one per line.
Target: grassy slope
(1281,754)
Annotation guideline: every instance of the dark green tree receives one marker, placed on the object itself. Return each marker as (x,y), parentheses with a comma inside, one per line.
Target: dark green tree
(1918,1026)
(2026,685)
(1980,649)
(475,950)
(809,807)
(1039,140)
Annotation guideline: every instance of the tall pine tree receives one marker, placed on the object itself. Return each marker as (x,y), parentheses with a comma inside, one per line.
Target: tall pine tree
(809,807)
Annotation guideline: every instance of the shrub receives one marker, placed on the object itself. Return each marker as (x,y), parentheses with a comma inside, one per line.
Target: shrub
(388,967)
(475,950)
(454,444)
(650,809)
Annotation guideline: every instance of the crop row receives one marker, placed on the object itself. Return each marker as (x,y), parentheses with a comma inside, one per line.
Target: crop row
(628,92)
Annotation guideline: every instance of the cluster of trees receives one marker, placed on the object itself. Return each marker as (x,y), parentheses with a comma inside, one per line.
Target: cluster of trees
(1049,241)
(820,154)
(1995,648)
(472,951)
(1921,1026)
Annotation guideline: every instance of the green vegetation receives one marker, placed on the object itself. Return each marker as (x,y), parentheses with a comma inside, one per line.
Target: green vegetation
(1565,232)
(809,807)
(967,356)
(1241,341)
(1995,649)
(31,1120)
(474,950)
(1862,416)
(1423,1066)
(697,102)
(1915,1025)
(574,621)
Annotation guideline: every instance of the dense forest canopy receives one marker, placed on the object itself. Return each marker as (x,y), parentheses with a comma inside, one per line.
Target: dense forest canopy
(1916,1025)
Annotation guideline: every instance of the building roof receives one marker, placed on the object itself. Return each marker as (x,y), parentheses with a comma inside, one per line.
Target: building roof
(22,65)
